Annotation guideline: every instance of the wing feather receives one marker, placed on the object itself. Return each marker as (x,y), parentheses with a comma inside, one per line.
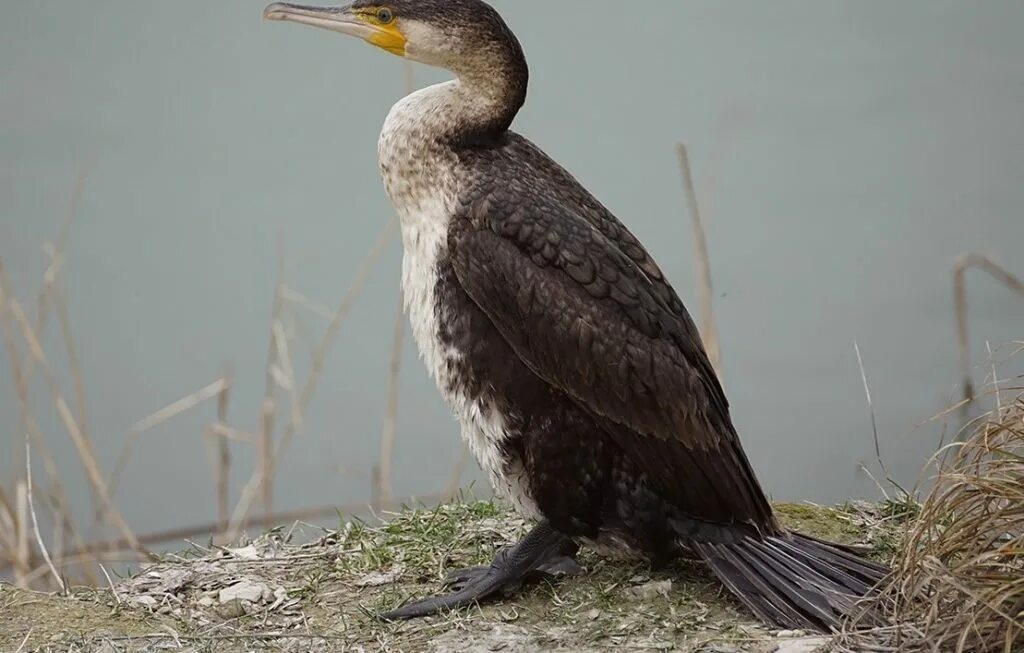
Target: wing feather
(585,317)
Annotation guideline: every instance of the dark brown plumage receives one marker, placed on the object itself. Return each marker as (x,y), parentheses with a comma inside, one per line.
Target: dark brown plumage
(578,376)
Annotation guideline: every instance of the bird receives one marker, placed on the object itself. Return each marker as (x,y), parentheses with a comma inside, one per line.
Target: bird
(577,376)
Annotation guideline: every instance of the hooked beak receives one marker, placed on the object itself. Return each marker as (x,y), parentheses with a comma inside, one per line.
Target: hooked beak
(341,19)
(336,19)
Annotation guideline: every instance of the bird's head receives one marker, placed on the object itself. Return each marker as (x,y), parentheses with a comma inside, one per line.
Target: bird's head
(451,34)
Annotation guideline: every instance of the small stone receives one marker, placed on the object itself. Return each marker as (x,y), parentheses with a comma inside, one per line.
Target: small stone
(243,590)
(594,614)
(651,590)
(233,609)
(802,645)
(245,553)
(207,601)
(144,601)
(380,578)
(786,634)
(280,596)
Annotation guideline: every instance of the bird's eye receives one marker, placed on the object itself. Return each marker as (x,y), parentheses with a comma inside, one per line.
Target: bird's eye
(384,16)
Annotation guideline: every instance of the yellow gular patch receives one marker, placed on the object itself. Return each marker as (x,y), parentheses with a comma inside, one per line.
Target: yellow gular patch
(389,38)
(386,36)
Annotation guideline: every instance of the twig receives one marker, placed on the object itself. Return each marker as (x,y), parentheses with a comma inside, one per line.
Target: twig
(218,430)
(223,447)
(35,521)
(117,597)
(285,367)
(268,408)
(57,495)
(71,426)
(293,296)
(241,510)
(153,420)
(709,332)
(266,453)
(963,263)
(21,647)
(385,486)
(871,408)
(22,561)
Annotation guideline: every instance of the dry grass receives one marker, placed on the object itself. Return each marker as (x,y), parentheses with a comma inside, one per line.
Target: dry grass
(77,545)
(304,588)
(963,263)
(959,579)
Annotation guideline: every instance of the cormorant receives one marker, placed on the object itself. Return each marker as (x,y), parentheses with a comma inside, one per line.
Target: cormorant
(578,377)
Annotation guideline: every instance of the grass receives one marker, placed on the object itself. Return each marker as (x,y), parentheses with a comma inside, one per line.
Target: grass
(323,593)
(959,575)
(26,324)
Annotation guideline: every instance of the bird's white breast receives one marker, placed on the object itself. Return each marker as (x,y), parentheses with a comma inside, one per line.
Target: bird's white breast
(421,178)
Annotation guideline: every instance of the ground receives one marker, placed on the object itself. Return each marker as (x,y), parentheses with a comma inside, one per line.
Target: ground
(278,595)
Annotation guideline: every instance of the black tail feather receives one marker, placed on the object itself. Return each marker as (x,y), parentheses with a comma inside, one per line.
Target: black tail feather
(793,581)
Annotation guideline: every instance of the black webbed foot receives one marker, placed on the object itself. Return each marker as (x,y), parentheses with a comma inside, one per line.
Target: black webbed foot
(555,567)
(543,549)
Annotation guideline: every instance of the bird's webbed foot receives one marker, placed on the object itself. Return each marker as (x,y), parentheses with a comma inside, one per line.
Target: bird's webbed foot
(543,550)
(557,566)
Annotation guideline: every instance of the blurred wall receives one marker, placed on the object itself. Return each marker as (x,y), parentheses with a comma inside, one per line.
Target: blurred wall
(845,153)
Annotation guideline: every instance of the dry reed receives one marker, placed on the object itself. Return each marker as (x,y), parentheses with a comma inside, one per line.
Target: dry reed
(385,490)
(958,584)
(30,558)
(708,332)
(963,263)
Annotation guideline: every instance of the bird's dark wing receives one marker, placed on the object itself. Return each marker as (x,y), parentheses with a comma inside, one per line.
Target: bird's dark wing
(585,317)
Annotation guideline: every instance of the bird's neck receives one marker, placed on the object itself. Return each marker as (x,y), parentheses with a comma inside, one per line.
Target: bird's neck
(480,105)
(486,101)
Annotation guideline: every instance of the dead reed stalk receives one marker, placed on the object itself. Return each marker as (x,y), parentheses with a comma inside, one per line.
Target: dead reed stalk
(709,331)
(305,396)
(35,519)
(962,264)
(21,373)
(223,447)
(958,584)
(385,482)
(82,445)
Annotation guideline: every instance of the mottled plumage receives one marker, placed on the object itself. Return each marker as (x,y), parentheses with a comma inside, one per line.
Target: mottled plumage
(578,378)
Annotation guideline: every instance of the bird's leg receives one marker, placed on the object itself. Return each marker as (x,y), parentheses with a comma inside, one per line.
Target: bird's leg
(543,547)
(561,563)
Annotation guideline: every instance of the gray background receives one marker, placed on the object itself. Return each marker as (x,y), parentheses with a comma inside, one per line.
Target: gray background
(844,153)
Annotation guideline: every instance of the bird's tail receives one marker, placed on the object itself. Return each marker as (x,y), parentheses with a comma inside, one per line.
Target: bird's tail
(792,580)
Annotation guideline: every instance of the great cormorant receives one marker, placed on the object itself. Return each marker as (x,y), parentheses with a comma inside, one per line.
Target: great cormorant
(578,377)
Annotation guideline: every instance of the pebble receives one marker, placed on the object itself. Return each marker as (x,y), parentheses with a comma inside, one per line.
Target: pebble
(244,590)
(144,601)
(380,578)
(802,645)
(651,590)
(232,609)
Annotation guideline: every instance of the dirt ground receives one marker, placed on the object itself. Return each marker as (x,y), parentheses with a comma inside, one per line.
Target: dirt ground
(275,594)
